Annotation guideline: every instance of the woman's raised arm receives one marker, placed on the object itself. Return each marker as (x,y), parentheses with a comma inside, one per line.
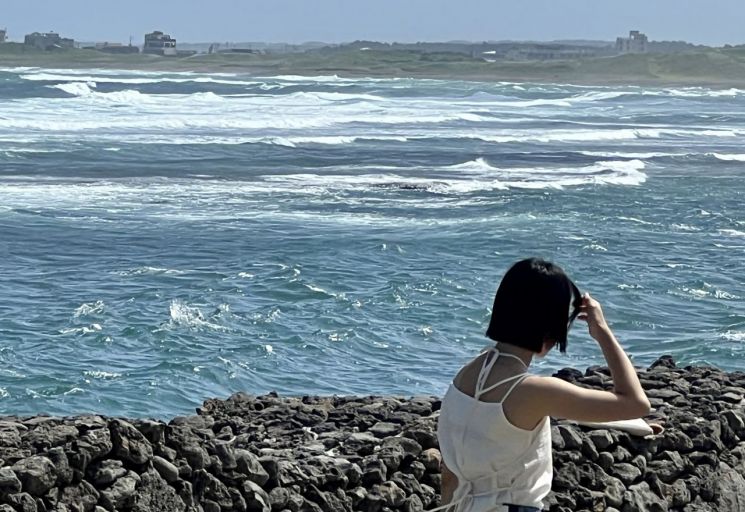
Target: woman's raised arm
(561,399)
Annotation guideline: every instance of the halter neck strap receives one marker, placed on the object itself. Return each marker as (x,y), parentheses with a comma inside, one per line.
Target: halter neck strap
(492,354)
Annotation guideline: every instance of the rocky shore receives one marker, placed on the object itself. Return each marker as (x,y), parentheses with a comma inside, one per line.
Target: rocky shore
(370,454)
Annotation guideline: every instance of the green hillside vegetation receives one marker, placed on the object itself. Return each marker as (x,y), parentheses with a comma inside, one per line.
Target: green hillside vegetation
(711,67)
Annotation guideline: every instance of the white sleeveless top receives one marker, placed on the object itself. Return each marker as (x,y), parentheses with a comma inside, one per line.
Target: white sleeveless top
(496,462)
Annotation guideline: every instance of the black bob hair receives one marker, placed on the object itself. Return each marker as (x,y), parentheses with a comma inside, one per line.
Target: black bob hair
(535,301)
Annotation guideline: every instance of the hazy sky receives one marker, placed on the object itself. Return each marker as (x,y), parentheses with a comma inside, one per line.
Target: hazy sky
(713,22)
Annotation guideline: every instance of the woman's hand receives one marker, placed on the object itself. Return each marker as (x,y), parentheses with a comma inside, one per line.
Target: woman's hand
(592,313)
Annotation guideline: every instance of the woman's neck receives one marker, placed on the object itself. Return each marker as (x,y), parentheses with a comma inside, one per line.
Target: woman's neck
(525,355)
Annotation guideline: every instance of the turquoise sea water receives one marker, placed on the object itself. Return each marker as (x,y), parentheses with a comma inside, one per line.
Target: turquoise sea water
(170,237)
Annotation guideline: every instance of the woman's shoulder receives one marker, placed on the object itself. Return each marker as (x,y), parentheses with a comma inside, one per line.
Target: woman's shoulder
(465,380)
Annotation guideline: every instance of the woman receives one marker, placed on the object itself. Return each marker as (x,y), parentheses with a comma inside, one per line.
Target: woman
(494,430)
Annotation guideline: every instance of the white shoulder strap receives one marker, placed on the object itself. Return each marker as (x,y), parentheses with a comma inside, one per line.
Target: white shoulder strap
(521,378)
(517,378)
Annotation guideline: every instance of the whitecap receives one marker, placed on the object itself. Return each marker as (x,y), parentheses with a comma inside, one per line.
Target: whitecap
(736,157)
(478,165)
(733,335)
(89,308)
(181,314)
(336,336)
(99,374)
(638,221)
(149,270)
(685,227)
(731,232)
(318,79)
(122,79)
(595,247)
(721,133)
(87,329)
(568,135)
(601,173)
(318,289)
(621,154)
(701,92)
(696,292)
(267,318)
(74,88)
(721,294)
(625,286)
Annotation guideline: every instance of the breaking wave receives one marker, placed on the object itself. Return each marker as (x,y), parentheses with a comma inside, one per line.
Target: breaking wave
(729,157)
(478,176)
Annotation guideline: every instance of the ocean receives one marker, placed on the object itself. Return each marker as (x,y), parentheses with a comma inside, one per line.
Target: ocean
(169,237)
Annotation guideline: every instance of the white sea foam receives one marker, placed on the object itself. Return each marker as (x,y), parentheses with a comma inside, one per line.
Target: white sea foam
(316,289)
(313,79)
(601,95)
(622,154)
(737,157)
(708,290)
(189,316)
(86,329)
(99,374)
(696,292)
(732,232)
(596,247)
(148,270)
(333,96)
(699,92)
(99,78)
(33,150)
(569,135)
(479,165)
(733,335)
(721,294)
(327,139)
(493,178)
(89,308)
(75,88)
(685,227)
(638,221)
(721,133)
(469,177)
(277,118)
(132,96)
(625,286)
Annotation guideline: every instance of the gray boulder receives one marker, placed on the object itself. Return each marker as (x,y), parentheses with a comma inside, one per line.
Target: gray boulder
(37,474)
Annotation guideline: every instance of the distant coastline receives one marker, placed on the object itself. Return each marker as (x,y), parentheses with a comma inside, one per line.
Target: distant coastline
(717,68)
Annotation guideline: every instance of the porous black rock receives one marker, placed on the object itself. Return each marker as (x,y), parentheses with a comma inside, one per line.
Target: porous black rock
(347,454)
(37,474)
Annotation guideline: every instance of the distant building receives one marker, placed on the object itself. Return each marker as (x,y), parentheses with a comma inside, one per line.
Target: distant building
(48,41)
(635,43)
(117,48)
(3,35)
(238,50)
(528,51)
(158,43)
